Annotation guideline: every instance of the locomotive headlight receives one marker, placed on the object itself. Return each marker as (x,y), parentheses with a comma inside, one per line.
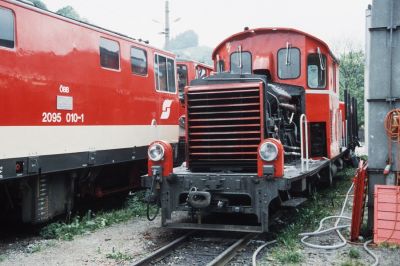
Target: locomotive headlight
(156,152)
(268,151)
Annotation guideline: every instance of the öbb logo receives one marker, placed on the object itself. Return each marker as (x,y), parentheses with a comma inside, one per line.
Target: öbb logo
(166,109)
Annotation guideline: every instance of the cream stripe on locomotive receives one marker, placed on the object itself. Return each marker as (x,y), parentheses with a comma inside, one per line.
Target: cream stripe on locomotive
(23,141)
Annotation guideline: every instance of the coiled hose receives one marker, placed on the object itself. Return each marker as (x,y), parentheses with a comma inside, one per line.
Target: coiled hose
(336,228)
(319,231)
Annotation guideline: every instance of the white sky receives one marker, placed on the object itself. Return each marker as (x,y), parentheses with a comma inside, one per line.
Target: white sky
(338,22)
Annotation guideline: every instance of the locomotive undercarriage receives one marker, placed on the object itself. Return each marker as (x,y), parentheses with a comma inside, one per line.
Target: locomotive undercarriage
(204,195)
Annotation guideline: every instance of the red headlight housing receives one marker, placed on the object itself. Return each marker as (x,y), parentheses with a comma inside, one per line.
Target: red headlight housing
(270,159)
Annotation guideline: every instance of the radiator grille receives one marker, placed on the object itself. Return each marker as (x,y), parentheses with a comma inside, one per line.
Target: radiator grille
(224,126)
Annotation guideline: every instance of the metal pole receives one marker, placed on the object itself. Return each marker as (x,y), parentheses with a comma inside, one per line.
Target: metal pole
(167,28)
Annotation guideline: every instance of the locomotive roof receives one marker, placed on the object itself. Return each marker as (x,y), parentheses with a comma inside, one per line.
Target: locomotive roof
(250,32)
(29,5)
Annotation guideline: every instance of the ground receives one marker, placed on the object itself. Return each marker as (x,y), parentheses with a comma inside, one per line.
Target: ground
(115,245)
(123,243)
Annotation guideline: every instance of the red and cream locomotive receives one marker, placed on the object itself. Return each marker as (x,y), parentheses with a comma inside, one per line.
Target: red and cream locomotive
(268,125)
(78,107)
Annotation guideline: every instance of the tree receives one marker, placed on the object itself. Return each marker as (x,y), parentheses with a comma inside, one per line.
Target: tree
(70,12)
(352,78)
(184,40)
(39,4)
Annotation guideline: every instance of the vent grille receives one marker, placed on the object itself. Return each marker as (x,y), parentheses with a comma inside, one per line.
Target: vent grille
(224,126)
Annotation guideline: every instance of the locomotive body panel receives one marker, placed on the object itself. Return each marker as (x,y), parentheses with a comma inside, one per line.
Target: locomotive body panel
(55,88)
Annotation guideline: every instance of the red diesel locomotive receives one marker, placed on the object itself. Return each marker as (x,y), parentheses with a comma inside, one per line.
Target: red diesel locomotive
(267,126)
(78,107)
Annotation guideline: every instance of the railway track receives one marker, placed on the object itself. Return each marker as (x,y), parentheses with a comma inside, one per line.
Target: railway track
(195,249)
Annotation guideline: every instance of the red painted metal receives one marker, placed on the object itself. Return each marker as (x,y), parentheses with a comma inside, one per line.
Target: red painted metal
(264,43)
(43,61)
(387,214)
(167,162)
(360,193)
(278,163)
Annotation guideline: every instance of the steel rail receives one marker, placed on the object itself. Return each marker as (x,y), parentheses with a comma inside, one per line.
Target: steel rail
(230,252)
(163,251)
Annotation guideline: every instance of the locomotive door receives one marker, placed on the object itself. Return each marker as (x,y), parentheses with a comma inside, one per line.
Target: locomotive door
(167,98)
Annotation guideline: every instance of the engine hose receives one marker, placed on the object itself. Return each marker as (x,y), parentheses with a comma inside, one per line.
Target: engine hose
(336,228)
(254,259)
(148,203)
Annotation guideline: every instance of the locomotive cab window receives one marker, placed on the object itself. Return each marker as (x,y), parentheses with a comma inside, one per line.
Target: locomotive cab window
(109,54)
(164,69)
(316,71)
(289,63)
(241,63)
(182,77)
(7,36)
(200,72)
(139,61)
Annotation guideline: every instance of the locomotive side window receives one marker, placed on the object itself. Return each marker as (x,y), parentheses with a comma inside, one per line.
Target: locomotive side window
(164,69)
(200,73)
(109,54)
(289,63)
(182,77)
(7,37)
(138,61)
(316,71)
(171,75)
(241,63)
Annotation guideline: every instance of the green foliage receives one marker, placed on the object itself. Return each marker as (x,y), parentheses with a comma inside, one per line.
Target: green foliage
(184,40)
(291,256)
(70,12)
(135,207)
(33,248)
(119,256)
(39,4)
(351,263)
(354,253)
(2,258)
(352,78)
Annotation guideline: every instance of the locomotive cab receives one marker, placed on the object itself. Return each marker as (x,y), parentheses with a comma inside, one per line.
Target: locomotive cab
(267,125)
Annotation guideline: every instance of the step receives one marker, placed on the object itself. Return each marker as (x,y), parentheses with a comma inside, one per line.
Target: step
(294,202)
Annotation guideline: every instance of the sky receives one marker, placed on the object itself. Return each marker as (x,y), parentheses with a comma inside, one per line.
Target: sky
(340,23)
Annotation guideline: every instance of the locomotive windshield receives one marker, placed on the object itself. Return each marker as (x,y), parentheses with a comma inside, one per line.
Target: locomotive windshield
(289,63)
(241,63)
